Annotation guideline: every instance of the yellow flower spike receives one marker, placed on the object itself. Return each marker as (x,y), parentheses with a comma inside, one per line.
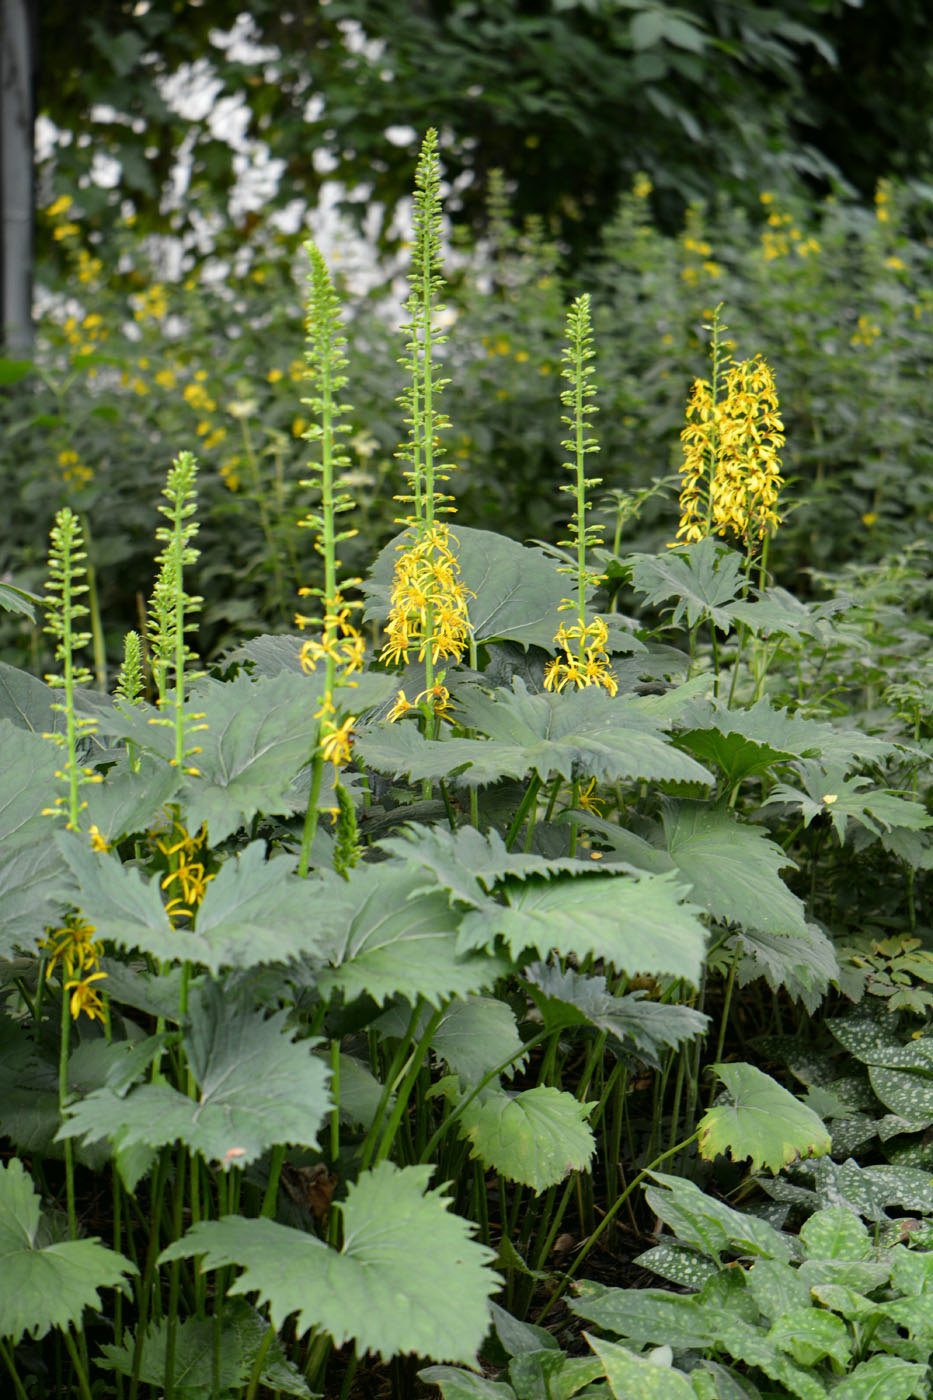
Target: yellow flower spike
(99,842)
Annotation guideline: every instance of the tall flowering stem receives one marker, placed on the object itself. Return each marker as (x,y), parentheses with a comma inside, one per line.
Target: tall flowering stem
(338,644)
(429,605)
(584,660)
(65,587)
(172,611)
(731,473)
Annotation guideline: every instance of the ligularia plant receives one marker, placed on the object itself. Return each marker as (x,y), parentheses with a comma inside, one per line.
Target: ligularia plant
(429,604)
(731,471)
(585,660)
(338,644)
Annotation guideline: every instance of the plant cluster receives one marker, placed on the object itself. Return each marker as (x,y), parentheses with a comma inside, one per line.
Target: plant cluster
(330,1066)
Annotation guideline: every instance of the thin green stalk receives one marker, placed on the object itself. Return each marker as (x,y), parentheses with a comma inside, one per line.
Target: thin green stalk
(311,815)
(174,1277)
(415,1062)
(7,1353)
(390,1080)
(63,1098)
(80,1369)
(272,1187)
(608,1219)
(531,793)
(252,1387)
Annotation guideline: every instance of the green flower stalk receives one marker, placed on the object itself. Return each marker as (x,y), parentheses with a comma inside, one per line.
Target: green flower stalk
(172,610)
(429,606)
(130,682)
(339,645)
(65,587)
(584,660)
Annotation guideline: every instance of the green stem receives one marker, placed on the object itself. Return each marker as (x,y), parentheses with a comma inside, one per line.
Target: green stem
(7,1354)
(79,1367)
(310,828)
(272,1187)
(62,1104)
(258,1364)
(531,793)
(416,1059)
(609,1217)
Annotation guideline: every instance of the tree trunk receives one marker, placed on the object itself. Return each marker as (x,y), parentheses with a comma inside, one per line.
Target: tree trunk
(17,114)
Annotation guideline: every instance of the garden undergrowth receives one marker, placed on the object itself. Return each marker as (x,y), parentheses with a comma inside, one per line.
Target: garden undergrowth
(372,971)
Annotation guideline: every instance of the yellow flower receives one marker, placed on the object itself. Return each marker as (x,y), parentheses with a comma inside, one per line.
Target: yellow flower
(229,474)
(298,426)
(336,742)
(61,204)
(64,231)
(165,378)
(731,471)
(84,997)
(98,840)
(274,376)
(870,518)
(428,600)
(585,661)
(641,187)
(73,945)
(521,356)
(401,707)
(895,264)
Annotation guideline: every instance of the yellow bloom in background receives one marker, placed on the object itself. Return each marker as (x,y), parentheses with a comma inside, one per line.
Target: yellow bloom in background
(60,206)
(86,998)
(166,378)
(641,186)
(152,304)
(73,945)
(731,471)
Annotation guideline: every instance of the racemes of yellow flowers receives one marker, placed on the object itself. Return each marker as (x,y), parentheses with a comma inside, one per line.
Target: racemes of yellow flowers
(731,473)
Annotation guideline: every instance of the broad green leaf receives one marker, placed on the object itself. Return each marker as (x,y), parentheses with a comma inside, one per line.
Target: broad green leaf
(872,1038)
(535,1137)
(12,371)
(581,733)
(884,1378)
(733,868)
(457,860)
(836,1233)
(456,1384)
(256,911)
(905,1092)
(242,1335)
(810,1334)
(571,998)
(786,733)
(678,1264)
(737,756)
(638,924)
(516,591)
(259,734)
(383,936)
(709,1224)
(475,1035)
(519,1337)
(912,1271)
(860,1275)
(269,654)
(50,1286)
(360,1092)
(870,1190)
(804,964)
(193,1371)
(711,1381)
(776,610)
(253,912)
(776,1287)
(651,1315)
(35,885)
(749,1344)
(763,1122)
(828,792)
(914,1315)
(630,1375)
(703,577)
(28,764)
(855,1307)
(257,1088)
(129,801)
(409,1278)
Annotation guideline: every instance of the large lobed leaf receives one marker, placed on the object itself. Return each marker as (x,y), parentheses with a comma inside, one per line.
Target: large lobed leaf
(704,578)
(46,1286)
(254,911)
(409,1278)
(763,1122)
(257,1088)
(382,934)
(579,734)
(636,922)
(534,1137)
